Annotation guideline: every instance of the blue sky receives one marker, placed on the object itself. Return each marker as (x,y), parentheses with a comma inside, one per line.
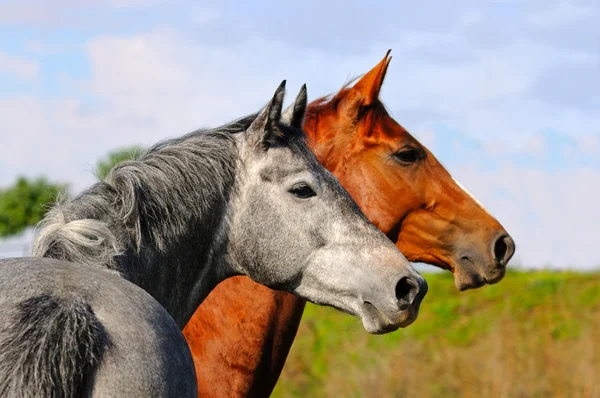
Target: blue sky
(505,93)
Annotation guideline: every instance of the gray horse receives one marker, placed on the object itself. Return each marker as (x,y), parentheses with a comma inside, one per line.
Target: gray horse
(248,198)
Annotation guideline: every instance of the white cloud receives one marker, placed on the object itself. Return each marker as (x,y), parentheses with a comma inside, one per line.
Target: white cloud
(37,141)
(18,67)
(425,137)
(563,13)
(589,144)
(202,15)
(24,118)
(163,83)
(490,96)
(550,215)
(535,145)
(39,47)
(500,78)
(142,89)
(68,13)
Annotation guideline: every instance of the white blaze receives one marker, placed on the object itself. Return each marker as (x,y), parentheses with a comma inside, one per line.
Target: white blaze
(472,196)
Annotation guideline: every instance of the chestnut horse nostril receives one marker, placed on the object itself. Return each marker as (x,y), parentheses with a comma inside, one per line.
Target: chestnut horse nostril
(504,248)
(406,289)
(499,249)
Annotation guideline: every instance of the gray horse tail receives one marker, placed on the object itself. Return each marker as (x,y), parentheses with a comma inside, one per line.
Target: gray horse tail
(51,348)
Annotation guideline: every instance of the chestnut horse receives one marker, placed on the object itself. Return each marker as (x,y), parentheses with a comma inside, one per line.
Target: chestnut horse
(241,334)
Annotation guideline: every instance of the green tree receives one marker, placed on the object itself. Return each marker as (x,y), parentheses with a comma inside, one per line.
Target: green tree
(25,203)
(114,157)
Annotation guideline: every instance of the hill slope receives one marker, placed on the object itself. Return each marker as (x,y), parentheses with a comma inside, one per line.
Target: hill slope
(535,334)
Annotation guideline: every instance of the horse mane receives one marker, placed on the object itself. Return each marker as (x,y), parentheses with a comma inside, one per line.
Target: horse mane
(332,100)
(328,104)
(152,198)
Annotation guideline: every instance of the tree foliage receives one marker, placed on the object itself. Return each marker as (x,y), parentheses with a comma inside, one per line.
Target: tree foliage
(25,203)
(114,157)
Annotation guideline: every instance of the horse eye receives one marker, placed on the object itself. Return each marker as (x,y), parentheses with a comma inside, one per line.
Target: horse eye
(302,191)
(407,155)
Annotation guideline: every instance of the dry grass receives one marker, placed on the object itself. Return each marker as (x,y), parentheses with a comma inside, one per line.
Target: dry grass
(533,335)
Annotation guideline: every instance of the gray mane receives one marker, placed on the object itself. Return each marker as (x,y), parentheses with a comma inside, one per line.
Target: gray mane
(151,199)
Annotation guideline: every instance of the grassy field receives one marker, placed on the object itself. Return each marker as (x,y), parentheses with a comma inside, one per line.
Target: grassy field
(535,334)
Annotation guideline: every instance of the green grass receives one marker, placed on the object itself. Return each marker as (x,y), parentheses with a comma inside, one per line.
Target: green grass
(532,334)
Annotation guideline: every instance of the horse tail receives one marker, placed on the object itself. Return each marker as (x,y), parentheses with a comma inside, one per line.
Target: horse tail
(50,348)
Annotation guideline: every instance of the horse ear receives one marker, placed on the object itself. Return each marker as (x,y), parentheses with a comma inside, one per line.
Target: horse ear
(369,86)
(294,114)
(264,126)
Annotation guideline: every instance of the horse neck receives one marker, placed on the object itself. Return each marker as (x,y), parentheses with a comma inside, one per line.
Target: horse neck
(164,225)
(182,273)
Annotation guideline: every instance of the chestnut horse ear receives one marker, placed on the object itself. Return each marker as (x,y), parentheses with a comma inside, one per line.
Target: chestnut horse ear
(370,84)
(264,127)
(294,114)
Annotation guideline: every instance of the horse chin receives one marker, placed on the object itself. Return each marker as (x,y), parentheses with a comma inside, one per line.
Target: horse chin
(376,322)
(470,276)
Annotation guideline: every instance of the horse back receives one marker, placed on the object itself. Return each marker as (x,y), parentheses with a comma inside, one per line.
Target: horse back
(72,330)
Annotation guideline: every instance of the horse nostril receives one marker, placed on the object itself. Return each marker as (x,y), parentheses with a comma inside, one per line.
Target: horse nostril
(504,248)
(406,289)
(499,249)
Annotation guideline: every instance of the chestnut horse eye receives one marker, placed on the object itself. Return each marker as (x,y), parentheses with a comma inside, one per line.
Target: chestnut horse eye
(407,155)
(302,191)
